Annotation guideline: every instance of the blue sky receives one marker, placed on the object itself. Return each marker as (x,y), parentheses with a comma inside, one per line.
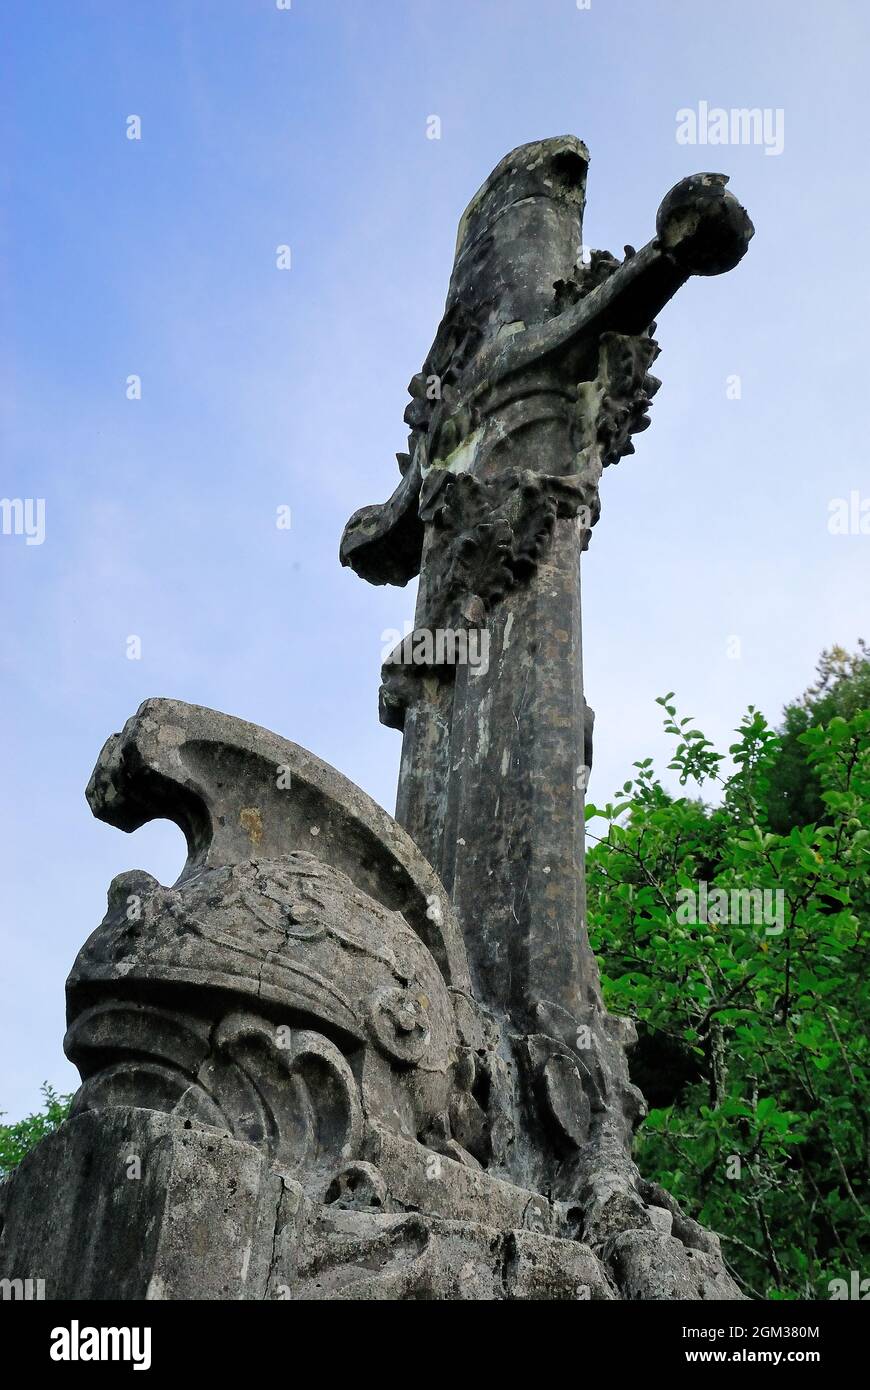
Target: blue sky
(262,388)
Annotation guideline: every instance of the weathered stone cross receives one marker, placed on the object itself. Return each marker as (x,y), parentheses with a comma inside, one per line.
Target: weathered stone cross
(346,1068)
(538,377)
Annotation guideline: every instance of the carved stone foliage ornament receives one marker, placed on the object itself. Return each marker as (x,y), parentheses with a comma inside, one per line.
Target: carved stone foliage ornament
(491,533)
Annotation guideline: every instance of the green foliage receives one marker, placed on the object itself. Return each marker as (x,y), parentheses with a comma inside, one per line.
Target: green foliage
(759,1004)
(18,1139)
(842,687)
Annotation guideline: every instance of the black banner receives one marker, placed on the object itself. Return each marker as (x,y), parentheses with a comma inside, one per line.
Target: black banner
(80,1339)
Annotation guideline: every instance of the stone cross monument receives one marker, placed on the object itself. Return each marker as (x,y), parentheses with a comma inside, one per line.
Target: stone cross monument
(352,1056)
(536,381)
